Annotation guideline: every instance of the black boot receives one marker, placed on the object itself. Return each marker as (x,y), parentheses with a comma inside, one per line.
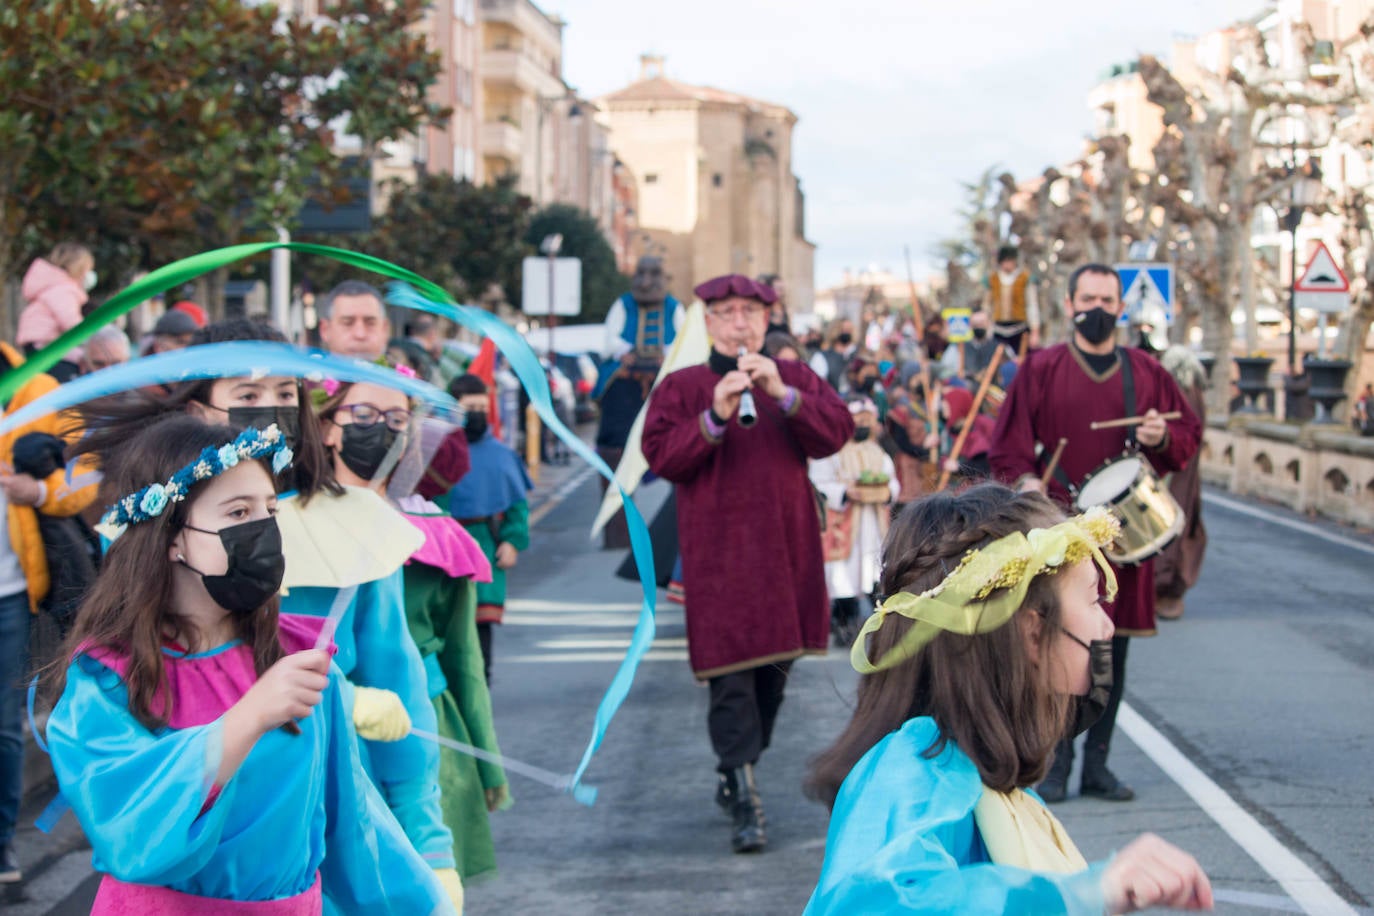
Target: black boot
(1055,786)
(727,790)
(1098,781)
(748,835)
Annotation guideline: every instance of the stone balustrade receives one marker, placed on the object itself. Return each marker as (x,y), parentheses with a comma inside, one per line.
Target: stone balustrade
(1313,468)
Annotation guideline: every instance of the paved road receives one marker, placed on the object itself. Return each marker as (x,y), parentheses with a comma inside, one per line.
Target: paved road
(1264,685)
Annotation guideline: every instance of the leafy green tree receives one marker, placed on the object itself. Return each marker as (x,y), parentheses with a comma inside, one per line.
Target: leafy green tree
(180,125)
(602,281)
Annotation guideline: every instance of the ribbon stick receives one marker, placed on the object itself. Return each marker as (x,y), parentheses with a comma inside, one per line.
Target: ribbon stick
(337,609)
(177,273)
(584,794)
(222,360)
(414,292)
(527,368)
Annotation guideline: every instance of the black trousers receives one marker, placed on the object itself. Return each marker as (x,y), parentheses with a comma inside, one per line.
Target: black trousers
(1099,737)
(744,706)
(1010,337)
(1100,734)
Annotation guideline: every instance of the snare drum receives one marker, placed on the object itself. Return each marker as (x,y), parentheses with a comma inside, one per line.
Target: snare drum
(1150,516)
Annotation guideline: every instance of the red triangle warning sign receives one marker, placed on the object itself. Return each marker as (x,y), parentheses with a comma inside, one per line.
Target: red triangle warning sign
(1322,275)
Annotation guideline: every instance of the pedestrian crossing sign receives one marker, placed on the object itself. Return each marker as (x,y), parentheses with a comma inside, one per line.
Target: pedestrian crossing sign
(1146,290)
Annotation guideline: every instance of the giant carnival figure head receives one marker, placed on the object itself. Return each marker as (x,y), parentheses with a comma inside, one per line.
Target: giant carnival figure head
(649,285)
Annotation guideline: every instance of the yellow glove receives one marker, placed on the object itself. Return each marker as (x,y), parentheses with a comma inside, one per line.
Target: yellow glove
(379,715)
(453,886)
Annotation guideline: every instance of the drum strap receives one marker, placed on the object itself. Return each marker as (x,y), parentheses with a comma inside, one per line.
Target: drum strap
(1128,397)
(1128,391)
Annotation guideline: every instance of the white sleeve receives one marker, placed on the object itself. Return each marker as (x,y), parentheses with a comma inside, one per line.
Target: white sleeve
(819,365)
(894,486)
(825,474)
(614,347)
(1032,306)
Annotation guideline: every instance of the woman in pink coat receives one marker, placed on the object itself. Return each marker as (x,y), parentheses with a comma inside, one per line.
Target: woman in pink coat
(54,291)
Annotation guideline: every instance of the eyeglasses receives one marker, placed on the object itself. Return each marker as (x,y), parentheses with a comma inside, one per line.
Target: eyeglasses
(748,311)
(397,419)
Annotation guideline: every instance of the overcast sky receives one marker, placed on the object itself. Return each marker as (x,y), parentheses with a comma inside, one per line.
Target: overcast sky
(900,101)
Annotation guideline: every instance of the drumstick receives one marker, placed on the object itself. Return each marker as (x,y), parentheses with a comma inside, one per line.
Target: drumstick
(1132,421)
(1054,462)
(983,386)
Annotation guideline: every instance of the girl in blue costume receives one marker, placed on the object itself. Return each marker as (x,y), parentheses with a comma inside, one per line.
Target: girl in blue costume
(992,624)
(360,424)
(203,743)
(385,679)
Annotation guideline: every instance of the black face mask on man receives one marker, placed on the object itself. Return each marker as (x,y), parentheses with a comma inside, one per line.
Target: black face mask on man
(1095,324)
(364,448)
(845,339)
(861,433)
(287,418)
(475,425)
(1094,704)
(256,565)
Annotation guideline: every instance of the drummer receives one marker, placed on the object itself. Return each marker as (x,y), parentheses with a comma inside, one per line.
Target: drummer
(1057,393)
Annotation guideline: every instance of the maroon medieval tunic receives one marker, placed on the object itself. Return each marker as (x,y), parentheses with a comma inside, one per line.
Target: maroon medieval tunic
(1056,394)
(747,520)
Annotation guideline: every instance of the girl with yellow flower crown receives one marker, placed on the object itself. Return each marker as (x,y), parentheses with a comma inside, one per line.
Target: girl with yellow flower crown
(991,639)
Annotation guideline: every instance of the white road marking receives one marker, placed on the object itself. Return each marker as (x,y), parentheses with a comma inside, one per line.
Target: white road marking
(1259,901)
(1302,884)
(556,498)
(1315,531)
(659,643)
(669,655)
(533,604)
(572,621)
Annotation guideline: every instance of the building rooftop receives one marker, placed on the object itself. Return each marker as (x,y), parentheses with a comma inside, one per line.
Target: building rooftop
(655,86)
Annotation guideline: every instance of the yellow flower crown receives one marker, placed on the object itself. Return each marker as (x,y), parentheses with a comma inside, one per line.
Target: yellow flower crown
(989,585)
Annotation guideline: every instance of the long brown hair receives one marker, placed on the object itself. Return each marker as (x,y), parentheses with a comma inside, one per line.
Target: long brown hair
(105,425)
(129,608)
(983,691)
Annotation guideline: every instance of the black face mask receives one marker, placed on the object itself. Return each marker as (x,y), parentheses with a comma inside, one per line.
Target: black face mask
(866,385)
(980,333)
(256,566)
(861,433)
(1091,706)
(1096,324)
(475,425)
(845,339)
(288,420)
(364,448)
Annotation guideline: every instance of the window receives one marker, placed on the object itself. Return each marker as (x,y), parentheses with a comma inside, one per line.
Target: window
(717,180)
(651,178)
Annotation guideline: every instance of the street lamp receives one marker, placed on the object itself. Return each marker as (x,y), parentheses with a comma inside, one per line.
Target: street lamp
(1305,191)
(551,245)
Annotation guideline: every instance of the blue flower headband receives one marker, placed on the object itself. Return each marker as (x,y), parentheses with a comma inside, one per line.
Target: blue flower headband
(149,502)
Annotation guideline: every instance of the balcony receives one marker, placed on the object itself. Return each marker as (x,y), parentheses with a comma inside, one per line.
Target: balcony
(502,140)
(507,66)
(527,19)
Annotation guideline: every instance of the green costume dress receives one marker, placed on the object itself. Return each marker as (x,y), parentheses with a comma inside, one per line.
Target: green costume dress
(441,613)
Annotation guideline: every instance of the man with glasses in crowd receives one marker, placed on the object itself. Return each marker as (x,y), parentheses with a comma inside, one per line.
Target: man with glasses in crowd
(747,526)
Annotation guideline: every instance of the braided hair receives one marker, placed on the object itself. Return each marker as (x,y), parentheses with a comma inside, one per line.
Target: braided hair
(983,691)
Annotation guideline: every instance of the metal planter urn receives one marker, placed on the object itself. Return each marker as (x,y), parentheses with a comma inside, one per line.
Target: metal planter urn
(1327,386)
(1253,382)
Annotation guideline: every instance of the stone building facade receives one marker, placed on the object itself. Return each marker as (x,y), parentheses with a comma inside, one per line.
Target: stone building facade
(714,175)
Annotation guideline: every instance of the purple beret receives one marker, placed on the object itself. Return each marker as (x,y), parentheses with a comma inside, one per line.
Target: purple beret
(735,285)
